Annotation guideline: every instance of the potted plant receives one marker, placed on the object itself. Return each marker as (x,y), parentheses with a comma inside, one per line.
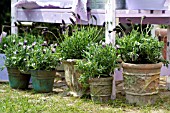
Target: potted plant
(141,55)
(72,49)
(15,51)
(97,69)
(42,61)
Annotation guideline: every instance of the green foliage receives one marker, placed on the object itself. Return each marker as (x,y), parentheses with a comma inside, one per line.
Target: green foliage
(29,52)
(8,42)
(140,48)
(163,26)
(73,46)
(40,56)
(16,49)
(100,61)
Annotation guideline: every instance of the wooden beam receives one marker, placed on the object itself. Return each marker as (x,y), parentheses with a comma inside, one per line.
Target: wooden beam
(168,43)
(14,29)
(110,20)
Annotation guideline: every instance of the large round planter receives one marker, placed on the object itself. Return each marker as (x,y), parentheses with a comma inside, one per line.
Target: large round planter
(141,82)
(162,35)
(101,89)
(145,4)
(72,76)
(18,80)
(42,80)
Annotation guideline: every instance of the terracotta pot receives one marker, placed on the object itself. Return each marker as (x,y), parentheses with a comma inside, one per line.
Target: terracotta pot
(141,82)
(162,35)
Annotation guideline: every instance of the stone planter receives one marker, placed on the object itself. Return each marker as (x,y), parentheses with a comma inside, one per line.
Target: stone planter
(71,77)
(101,89)
(60,74)
(141,82)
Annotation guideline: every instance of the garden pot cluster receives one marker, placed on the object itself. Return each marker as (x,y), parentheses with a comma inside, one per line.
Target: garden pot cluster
(89,63)
(32,57)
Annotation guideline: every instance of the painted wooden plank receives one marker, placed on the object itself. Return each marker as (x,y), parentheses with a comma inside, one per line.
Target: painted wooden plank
(150,20)
(65,13)
(110,19)
(14,29)
(140,13)
(168,43)
(55,15)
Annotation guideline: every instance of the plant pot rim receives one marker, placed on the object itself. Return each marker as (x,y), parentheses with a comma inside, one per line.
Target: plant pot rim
(142,66)
(71,60)
(101,79)
(68,61)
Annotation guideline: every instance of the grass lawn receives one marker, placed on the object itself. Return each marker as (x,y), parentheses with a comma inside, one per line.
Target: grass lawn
(19,101)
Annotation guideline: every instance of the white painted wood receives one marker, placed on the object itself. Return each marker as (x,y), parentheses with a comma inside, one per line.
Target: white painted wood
(55,15)
(110,19)
(168,43)
(14,29)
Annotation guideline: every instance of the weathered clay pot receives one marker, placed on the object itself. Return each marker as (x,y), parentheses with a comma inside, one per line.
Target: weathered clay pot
(141,82)
(71,77)
(162,35)
(101,89)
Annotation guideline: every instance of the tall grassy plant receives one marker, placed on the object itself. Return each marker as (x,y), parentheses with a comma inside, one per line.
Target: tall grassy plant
(73,46)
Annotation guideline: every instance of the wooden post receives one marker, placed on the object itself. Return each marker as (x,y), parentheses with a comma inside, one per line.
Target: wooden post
(168,43)
(14,29)
(110,19)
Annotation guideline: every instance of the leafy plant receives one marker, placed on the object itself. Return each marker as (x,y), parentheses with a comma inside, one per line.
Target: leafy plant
(41,56)
(139,47)
(100,61)
(17,50)
(73,46)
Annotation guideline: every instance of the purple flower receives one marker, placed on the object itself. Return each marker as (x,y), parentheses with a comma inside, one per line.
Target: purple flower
(13,41)
(24,46)
(45,43)
(103,44)
(55,45)
(44,51)
(53,50)
(20,44)
(25,42)
(33,44)
(5,45)
(15,52)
